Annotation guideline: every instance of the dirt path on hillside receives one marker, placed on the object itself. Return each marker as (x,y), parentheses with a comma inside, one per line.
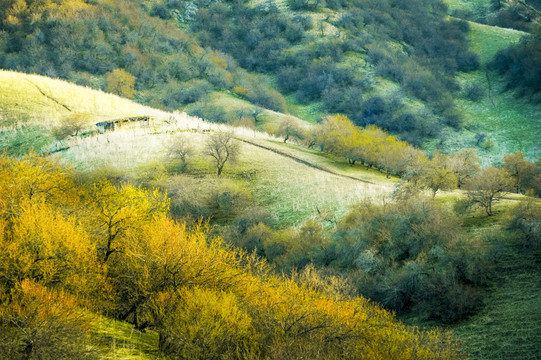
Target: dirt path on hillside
(49,97)
(304,162)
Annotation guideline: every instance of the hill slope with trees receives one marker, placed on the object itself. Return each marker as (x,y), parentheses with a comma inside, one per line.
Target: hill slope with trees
(191,238)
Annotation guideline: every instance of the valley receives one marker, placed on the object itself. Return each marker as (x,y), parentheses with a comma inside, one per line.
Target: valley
(379,195)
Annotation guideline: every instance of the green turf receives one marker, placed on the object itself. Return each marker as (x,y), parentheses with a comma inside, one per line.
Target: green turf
(311,112)
(22,140)
(509,325)
(477,7)
(487,40)
(292,190)
(510,123)
(120,341)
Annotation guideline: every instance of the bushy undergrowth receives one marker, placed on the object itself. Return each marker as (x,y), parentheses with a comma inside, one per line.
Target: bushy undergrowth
(411,256)
(104,45)
(91,43)
(520,65)
(267,39)
(69,251)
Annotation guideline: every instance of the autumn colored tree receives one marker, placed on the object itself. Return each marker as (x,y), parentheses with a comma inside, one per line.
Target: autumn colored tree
(464,164)
(518,168)
(35,179)
(488,186)
(205,298)
(43,246)
(117,210)
(121,82)
(222,147)
(439,179)
(71,125)
(205,324)
(437,175)
(336,135)
(39,323)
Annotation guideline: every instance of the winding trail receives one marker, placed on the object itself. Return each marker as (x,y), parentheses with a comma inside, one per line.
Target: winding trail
(304,162)
(49,97)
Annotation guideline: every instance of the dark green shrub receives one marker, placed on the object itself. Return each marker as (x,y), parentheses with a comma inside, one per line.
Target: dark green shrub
(474,92)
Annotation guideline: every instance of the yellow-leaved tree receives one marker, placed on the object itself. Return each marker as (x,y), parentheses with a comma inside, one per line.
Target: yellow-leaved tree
(114,211)
(43,246)
(114,251)
(121,82)
(36,179)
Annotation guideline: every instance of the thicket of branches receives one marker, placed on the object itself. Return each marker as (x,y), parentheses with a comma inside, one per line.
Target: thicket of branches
(267,39)
(86,42)
(69,252)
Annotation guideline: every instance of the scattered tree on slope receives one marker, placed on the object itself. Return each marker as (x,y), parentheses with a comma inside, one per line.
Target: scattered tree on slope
(157,280)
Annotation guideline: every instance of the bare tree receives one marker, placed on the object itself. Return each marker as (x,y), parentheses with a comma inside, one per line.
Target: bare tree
(464,164)
(181,148)
(257,111)
(71,125)
(289,128)
(222,147)
(488,186)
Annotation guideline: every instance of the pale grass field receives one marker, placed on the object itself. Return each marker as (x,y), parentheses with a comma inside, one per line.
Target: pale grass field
(295,192)
(24,104)
(290,190)
(470,5)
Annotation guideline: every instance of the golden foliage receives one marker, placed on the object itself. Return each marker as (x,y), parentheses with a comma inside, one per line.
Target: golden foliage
(44,246)
(39,323)
(35,179)
(205,299)
(205,323)
(121,82)
(115,211)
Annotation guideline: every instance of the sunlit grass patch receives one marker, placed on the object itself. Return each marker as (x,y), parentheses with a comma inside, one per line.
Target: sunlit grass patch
(119,340)
(307,112)
(475,6)
(294,192)
(487,40)
(21,140)
(39,100)
(291,190)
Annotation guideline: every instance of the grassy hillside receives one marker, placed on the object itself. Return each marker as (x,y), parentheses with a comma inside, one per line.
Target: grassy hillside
(33,105)
(30,100)
(292,190)
(509,326)
(239,112)
(291,182)
(510,123)
(287,188)
(475,6)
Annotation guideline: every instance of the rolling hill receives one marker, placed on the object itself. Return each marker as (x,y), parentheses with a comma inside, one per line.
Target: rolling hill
(291,61)
(291,182)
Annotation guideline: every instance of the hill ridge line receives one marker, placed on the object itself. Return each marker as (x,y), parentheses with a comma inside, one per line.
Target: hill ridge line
(304,162)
